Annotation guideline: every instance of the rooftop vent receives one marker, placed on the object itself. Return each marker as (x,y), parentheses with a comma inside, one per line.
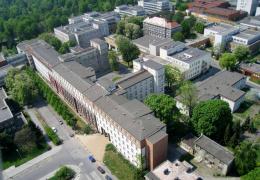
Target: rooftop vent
(166,172)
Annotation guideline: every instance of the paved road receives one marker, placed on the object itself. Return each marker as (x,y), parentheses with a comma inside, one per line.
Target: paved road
(71,152)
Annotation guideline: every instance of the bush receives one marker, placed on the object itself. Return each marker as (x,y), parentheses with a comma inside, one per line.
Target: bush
(64,173)
(87,129)
(110,147)
(52,135)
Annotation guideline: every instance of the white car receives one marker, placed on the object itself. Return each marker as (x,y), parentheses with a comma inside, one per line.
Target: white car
(54,129)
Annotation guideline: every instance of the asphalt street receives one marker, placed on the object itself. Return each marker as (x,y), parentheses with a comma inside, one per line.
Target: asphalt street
(70,153)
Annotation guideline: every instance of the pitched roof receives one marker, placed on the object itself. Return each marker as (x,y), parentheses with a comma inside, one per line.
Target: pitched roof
(158,21)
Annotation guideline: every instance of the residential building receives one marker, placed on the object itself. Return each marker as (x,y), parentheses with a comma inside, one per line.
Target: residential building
(129,124)
(160,27)
(257,13)
(173,170)
(251,69)
(215,11)
(208,152)
(224,85)
(221,34)
(127,10)
(154,6)
(247,5)
(8,122)
(251,22)
(249,38)
(82,29)
(147,78)
(190,61)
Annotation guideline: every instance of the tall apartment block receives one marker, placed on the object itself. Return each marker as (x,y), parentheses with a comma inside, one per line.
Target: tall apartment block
(160,27)
(82,29)
(247,5)
(129,124)
(154,6)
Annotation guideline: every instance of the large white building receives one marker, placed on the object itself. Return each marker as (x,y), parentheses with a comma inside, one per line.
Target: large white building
(154,6)
(128,124)
(247,5)
(127,10)
(224,85)
(190,61)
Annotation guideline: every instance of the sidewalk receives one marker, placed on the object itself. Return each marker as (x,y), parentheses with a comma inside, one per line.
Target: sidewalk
(13,171)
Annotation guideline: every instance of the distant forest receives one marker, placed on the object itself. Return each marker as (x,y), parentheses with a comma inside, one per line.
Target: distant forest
(26,19)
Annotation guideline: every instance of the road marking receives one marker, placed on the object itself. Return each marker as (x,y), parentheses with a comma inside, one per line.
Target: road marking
(95,176)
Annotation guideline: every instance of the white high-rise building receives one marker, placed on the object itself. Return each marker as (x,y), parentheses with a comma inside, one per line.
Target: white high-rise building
(248,6)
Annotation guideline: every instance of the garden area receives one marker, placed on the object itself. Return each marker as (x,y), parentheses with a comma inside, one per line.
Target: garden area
(119,166)
(64,173)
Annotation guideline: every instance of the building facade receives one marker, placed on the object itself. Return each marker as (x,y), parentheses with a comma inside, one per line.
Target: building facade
(154,6)
(128,124)
(127,10)
(160,27)
(247,5)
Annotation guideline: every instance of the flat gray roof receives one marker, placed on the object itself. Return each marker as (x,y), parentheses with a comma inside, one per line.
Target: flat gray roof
(134,79)
(215,149)
(223,28)
(146,40)
(5,113)
(248,34)
(253,67)
(251,21)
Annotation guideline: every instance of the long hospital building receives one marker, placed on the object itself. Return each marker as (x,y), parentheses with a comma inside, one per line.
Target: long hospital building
(128,123)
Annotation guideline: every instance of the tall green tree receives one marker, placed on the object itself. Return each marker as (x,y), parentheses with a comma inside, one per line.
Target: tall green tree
(178,17)
(128,50)
(227,61)
(188,96)
(172,76)
(242,53)
(25,139)
(212,118)
(163,106)
(199,27)
(113,60)
(178,36)
(132,31)
(245,157)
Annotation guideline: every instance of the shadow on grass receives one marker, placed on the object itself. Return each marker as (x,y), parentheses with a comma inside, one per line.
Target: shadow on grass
(244,106)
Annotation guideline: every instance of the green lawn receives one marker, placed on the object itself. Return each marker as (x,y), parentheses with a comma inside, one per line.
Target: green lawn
(247,108)
(64,173)
(13,158)
(119,166)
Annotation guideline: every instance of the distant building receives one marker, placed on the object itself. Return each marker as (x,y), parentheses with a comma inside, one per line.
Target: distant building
(8,122)
(160,27)
(82,29)
(224,85)
(251,69)
(208,152)
(251,22)
(249,38)
(173,170)
(247,5)
(127,10)
(221,34)
(190,61)
(154,6)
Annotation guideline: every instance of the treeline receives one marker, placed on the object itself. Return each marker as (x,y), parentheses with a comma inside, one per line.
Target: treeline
(20,20)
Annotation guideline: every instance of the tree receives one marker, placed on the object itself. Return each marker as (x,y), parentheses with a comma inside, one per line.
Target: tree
(10,78)
(227,134)
(128,50)
(199,27)
(178,17)
(228,61)
(120,27)
(25,139)
(187,26)
(133,31)
(163,106)
(211,118)
(245,157)
(6,142)
(188,96)
(242,53)
(172,75)
(252,175)
(113,60)
(178,36)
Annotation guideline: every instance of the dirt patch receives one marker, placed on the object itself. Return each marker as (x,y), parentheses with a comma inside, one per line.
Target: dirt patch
(95,143)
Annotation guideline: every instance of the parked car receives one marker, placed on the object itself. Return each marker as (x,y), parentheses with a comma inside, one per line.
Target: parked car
(101,170)
(54,129)
(91,158)
(60,122)
(107,177)
(71,135)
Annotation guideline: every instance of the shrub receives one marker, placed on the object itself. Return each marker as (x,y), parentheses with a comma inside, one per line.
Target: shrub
(52,135)
(64,173)
(87,129)
(110,147)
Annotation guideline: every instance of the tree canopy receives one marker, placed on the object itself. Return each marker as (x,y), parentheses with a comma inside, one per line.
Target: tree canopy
(172,75)
(252,175)
(113,60)
(211,118)
(163,106)
(245,157)
(228,61)
(199,27)
(178,36)
(128,50)
(242,53)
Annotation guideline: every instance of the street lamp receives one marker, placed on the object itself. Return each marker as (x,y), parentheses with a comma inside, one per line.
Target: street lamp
(19,153)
